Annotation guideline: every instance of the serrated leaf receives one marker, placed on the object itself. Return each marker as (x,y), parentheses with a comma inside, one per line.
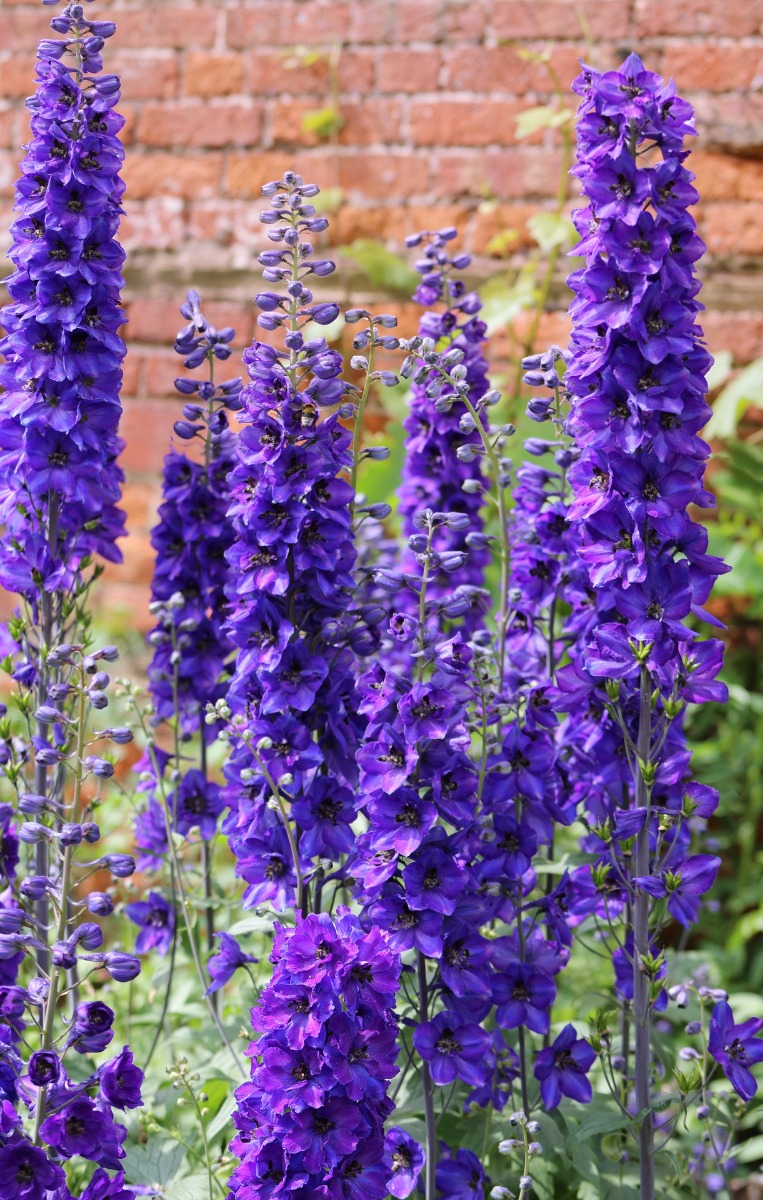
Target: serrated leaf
(595,1124)
(155,1164)
(191,1187)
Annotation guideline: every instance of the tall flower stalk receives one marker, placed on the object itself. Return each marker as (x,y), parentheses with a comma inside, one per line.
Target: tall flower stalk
(295,619)
(636,377)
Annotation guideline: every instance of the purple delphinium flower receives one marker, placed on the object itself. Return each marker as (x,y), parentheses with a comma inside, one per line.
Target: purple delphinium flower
(59,506)
(26,1172)
(454,1049)
(156,920)
(433,476)
(62,373)
(223,965)
(193,535)
(403,1159)
(562,1068)
(313,1114)
(293,618)
(736,1048)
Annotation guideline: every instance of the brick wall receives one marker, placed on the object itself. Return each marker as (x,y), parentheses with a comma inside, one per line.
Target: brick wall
(219,94)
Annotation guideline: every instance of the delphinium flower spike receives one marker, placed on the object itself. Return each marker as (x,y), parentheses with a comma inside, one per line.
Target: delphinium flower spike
(442,464)
(58,501)
(295,619)
(191,648)
(636,375)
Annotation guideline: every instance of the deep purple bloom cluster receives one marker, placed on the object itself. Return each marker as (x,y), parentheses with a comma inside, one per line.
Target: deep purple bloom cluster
(311,1121)
(193,535)
(62,375)
(292,619)
(442,465)
(636,378)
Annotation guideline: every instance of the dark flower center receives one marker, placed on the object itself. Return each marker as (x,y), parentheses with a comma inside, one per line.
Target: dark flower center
(361,973)
(655,611)
(300,1072)
(401,1159)
(447,1044)
(299,1006)
(408,816)
(431,880)
(599,480)
(25,1173)
(322,950)
(329,810)
(406,920)
(275,869)
(358,1054)
(650,490)
(623,188)
(618,290)
(457,955)
(647,381)
(74,1126)
(323,1124)
(737,1052)
(196,803)
(353,1169)
(58,458)
(509,841)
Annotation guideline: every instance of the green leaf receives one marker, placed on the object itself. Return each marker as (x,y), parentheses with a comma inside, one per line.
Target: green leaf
(551,230)
(595,1124)
(721,369)
(543,116)
(323,122)
(382,268)
(154,1165)
(736,397)
(750,1152)
(191,1187)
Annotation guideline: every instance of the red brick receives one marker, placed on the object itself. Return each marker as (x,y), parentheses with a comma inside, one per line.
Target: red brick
(8,134)
(200,125)
(493,221)
(187,176)
(503,69)
(676,18)
(739,332)
(146,427)
(371,121)
(732,229)
(727,177)
(417,21)
(156,320)
(451,122)
(369,21)
(464,20)
(560,19)
(273,72)
(288,23)
(145,76)
(213,74)
(355,71)
(409,71)
(130,370)
(156,223)
(17,77)
(389,176)
(166,28)
(712,68)
(246,173)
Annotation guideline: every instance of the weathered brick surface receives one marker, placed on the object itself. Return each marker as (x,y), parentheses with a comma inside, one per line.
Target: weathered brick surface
(216,94)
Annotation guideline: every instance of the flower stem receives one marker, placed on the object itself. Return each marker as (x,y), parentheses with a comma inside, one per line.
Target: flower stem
(641,981)
(429,1114)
